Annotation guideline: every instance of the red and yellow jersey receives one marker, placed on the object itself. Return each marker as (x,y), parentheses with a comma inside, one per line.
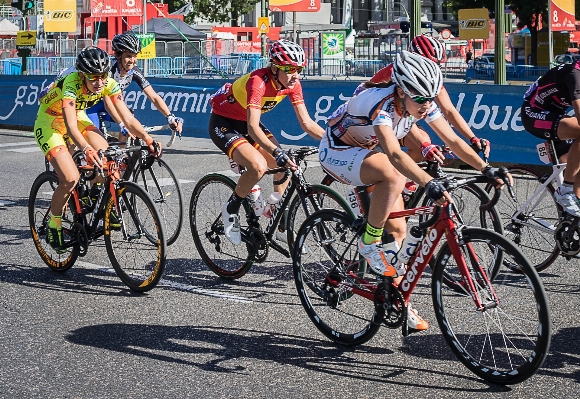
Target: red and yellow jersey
(70,91)
(254,90)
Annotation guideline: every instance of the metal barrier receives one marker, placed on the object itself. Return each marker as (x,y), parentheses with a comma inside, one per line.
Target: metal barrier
(11,66)
(366,68)
(160,66)
(36,66)
(57,64)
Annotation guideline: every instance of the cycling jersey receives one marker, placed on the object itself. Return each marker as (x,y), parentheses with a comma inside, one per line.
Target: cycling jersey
(556,90)
(383,75)
(67,91)
(254,90)
(134,74)
(350,136)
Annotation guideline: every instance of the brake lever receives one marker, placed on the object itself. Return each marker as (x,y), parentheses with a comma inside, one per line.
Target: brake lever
(504,171)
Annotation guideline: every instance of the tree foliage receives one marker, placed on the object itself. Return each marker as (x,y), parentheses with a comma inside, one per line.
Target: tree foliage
(215,10)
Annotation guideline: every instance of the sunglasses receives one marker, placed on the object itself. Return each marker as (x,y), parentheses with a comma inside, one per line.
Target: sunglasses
(421,100)
(289,69)
(93,78)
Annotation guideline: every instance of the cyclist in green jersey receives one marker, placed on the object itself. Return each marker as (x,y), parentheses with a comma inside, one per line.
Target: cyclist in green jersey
(61,117)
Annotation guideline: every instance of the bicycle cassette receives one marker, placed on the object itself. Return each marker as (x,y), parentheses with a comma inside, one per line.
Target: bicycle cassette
(567,237)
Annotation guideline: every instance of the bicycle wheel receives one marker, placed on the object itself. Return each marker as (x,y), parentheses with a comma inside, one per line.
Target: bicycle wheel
(163,186)
(532,230)
(326,247)
(39,202)
(507,341)
(134,237)
(219,254)
(317,197)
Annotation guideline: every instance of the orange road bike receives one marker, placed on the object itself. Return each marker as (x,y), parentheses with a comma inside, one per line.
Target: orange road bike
(120,211)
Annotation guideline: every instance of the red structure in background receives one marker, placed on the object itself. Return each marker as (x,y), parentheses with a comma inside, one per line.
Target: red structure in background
(247,38)
(110,26)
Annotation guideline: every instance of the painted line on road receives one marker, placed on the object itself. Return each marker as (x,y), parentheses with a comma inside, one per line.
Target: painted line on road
(17,144)
(172,284)
(25,150)
(4,203)
(164,181)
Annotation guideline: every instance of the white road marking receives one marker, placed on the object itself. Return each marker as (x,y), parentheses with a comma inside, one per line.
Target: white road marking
(165,181)
(26,150)
(172,284)
(18,144)
(4,203)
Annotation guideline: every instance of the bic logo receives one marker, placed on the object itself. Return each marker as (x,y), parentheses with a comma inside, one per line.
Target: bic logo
(60,15)
(476,23)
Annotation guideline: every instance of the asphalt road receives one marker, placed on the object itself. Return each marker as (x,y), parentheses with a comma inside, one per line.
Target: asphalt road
(83,334)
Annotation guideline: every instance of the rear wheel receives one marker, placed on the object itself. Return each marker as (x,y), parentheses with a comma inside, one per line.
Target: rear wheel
(163,186)
(205,216)
(134,237)
(507,341)
(39,202)
(325,255)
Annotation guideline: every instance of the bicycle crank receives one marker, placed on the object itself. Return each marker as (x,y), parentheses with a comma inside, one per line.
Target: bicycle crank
(394,306)
(567,237)
(81,246)
(259,243)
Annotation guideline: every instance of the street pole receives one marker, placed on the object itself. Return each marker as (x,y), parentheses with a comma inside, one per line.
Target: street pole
(263,13)
(145,63)
(499,75)
(416,21)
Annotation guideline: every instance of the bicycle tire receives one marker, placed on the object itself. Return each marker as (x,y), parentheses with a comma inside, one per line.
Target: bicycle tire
(161,183)
(225,259)
(318,197)
(343,317)
(39,202)
(508,341)
(535,239)
(134,237)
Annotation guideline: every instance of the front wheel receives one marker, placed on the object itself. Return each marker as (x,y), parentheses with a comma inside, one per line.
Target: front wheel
(163,186)
(507,340)
(205,216)
(39,202)
(326,265)
(134,237)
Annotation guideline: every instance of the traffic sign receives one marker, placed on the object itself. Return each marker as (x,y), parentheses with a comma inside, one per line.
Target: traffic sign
(263,25)
(26,38)
(445,34)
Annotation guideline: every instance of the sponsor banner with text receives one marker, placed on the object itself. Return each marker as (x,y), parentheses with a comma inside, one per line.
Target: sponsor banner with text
(116,8)
(473,23)
(492,111)
(60,16)
(562,15)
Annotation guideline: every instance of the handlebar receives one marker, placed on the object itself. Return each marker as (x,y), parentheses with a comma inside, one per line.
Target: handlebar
(297,156)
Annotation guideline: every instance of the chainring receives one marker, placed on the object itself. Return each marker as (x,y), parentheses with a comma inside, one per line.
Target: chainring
(567,237)
(394,307)
(258,241)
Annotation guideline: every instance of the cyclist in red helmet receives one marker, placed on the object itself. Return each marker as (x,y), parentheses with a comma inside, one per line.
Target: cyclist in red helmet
(418,146)
(235,121)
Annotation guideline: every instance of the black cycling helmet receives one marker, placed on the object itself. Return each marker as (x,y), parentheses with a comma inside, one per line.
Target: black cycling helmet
(127,41)
(93,60)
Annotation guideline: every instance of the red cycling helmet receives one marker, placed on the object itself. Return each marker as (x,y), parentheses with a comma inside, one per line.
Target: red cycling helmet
(428,48)
(284,52)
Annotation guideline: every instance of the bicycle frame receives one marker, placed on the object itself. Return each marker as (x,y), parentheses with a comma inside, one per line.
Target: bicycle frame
(444,226)
(557,176)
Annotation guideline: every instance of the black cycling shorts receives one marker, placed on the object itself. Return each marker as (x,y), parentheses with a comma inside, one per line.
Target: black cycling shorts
(544,125)
(228,134)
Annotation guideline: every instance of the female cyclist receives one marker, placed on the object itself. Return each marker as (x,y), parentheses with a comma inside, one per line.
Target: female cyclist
(384,113)
(124,70)
(61,117)
(419,144)
(235,121)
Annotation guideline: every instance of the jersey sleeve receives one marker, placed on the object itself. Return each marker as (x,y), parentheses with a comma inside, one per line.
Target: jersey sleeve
(140,79)
(70,86)
(433,113)
(113,90)
(572,80)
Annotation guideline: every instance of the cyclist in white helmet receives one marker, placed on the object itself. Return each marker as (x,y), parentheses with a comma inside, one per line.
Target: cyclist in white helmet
(420,145)
(235,122)
(384,113)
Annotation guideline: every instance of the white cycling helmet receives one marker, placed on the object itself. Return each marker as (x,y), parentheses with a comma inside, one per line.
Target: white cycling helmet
(417,75)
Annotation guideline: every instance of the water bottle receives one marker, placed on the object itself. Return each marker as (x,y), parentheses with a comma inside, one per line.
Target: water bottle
(410,188)
(273,199)
(391,250)
(256,200)
(234,167)
(410,244)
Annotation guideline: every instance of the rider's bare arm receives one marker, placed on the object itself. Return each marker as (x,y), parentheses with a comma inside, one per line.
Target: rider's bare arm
(306,122)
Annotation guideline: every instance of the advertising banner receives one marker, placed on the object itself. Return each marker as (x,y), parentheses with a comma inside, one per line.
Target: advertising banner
(60,16)
(333,45)
(295,5)
(116,8)
(473,23)
(492,111)
(562,15)
(147,46)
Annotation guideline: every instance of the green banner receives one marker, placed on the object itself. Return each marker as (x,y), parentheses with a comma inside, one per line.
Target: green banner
(333,45)
(147,46)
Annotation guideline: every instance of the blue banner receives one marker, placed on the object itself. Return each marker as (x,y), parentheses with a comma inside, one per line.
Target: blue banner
(492,111)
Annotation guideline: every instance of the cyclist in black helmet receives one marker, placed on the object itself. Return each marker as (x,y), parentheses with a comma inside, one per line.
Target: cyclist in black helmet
(124,70)
(61,118)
